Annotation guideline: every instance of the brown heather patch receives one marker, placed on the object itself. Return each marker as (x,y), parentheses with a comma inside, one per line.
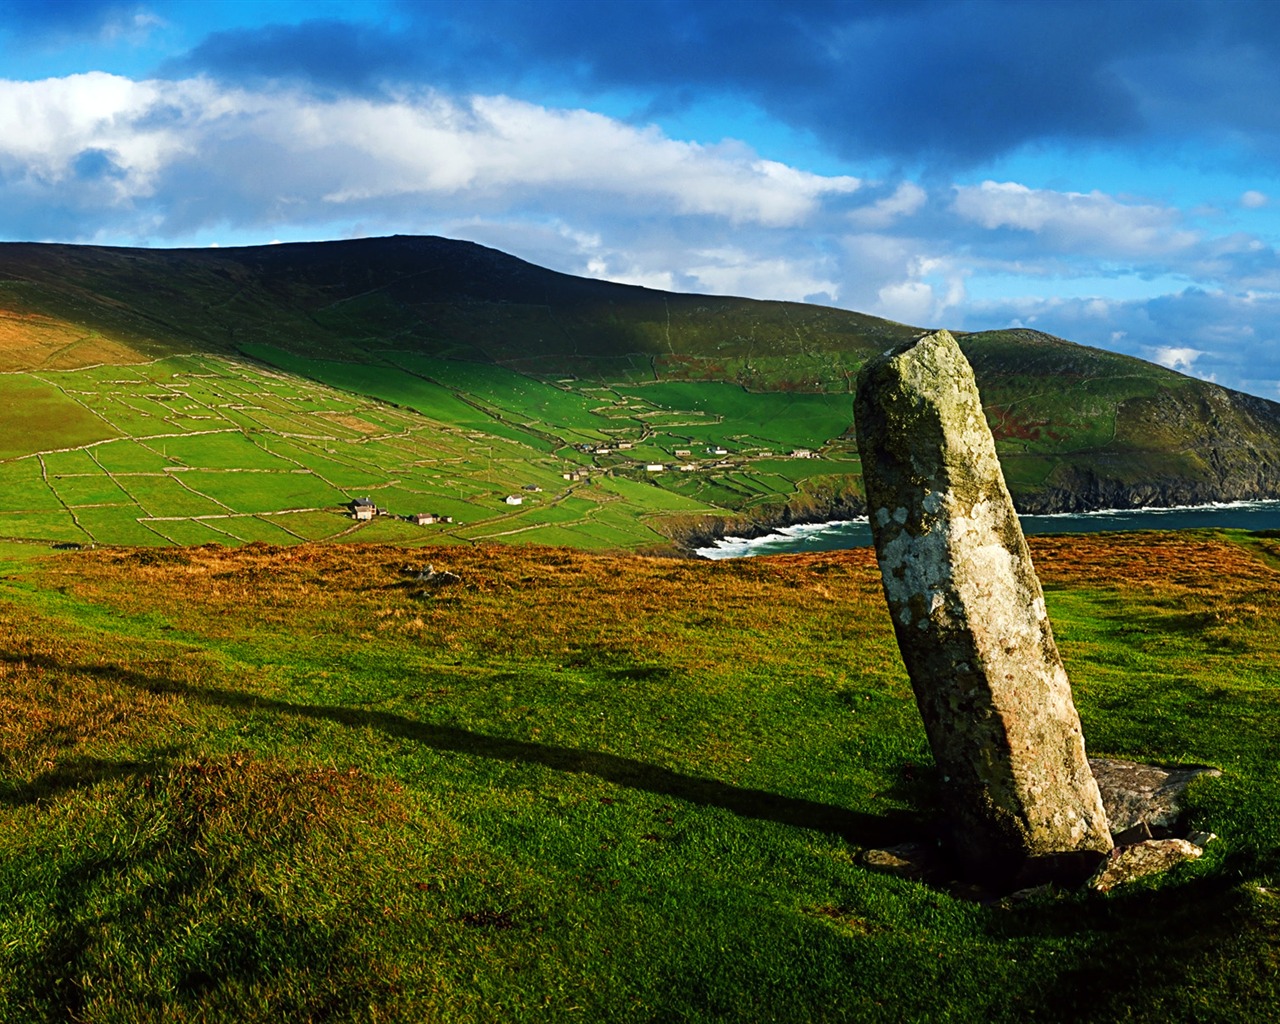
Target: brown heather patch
(1219,591)
(370,590)
(32,341)
(352,422)
(63,698)
(1163,564)
(363,589)
(268,801)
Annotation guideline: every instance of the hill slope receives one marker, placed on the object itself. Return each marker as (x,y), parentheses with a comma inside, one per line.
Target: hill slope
(429,372)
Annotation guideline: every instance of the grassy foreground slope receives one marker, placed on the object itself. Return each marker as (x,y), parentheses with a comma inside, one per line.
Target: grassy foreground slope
(287,783)
(745,405)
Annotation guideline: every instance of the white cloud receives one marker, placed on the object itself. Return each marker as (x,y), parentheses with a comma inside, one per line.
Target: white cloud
(47,126)
(732,271)
(1173,357)
(1254,200)
(908,302)
(907,199)
(1075,221)
(282,155)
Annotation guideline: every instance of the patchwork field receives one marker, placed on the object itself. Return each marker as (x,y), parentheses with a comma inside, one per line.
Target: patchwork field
(175,450)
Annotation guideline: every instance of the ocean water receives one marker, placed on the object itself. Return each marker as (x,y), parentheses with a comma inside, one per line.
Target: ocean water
(855,533)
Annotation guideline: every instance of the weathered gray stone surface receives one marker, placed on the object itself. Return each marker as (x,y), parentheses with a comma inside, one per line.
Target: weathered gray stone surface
(1125,863)
(971,621)
(1145,794)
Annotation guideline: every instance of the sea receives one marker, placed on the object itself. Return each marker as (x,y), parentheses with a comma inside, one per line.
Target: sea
(856,533)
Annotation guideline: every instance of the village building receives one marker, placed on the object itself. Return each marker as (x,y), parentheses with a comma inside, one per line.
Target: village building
(654,467)
(802,453)
(514,499)
(362,509)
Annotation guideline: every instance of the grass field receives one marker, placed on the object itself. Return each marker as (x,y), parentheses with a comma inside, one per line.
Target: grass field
(286,783)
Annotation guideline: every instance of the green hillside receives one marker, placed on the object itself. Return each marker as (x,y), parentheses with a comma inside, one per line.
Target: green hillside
(155,396)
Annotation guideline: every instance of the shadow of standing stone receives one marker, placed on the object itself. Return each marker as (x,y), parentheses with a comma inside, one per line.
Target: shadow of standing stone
(971,624)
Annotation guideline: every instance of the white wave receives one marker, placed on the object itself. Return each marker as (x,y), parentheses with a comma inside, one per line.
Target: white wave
(786,539)
(745,547)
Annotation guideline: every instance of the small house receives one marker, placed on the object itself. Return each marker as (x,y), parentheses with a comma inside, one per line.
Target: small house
(425,518)
(802,453)
(514,499)
(654,467)
(363,508)
(682,453)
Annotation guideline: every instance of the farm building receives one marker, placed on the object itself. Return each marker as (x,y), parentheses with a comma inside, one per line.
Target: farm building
(362,508)
(514,499)
(427,518)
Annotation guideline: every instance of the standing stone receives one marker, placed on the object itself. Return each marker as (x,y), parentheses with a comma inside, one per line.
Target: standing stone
(971,621)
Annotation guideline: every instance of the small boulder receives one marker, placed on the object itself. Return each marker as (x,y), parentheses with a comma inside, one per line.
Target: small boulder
(1145,794)
(1125,863)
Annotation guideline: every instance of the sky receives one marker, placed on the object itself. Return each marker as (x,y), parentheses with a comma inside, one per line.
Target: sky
(1106,172)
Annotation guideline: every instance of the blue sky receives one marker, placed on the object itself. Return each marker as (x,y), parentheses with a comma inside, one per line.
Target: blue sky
(1107,172)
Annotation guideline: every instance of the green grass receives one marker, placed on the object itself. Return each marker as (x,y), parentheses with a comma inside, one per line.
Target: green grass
(59,527)
(264,492)
(90,490)
(787,420)
(330,345)
(34,407)
(129,456)
(522,398)
(286,784)
(23,490)
(166,495)
(191,531)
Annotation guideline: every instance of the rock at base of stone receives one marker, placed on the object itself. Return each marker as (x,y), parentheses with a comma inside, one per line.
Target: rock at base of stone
(1126,863)
(1143,794)
(917,861)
